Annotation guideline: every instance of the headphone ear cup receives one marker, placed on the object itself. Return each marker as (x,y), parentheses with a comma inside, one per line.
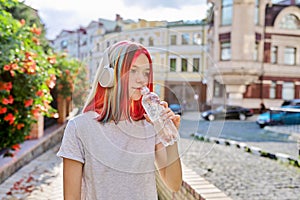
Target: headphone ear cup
(107,78)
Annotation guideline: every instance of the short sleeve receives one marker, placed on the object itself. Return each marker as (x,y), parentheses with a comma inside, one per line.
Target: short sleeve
(71,146)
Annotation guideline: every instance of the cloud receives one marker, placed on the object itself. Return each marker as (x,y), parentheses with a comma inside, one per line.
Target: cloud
(151,4)
(57,20)
(70,14)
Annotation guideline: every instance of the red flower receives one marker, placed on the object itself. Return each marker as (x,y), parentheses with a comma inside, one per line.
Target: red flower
(6,101)
(23,22)
(36,40)
(39,93)
(14,66)
(6,67)
(10,117)
(16,147)
(51,60)
(36,112)
(36,31)
(27,137)
(52,81)
(3,110)
(28,102)
(6,86)
(67,72)
(20,126)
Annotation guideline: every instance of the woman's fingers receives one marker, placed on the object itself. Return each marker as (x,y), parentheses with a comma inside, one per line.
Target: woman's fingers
(164,104)
(176,121)
(147,118)
(169,114)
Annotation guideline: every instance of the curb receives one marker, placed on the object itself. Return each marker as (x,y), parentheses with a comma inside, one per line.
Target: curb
(284,158)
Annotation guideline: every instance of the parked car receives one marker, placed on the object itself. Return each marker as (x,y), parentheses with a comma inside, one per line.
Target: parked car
(278,116)
(176,108)
(227,112)
(293,102)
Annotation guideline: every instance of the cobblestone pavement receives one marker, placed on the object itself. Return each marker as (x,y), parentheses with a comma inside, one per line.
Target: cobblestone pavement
(242,175)
(41,179)
(239,174)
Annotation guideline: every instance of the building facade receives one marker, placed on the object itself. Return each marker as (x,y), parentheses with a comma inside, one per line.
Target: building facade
(254,49)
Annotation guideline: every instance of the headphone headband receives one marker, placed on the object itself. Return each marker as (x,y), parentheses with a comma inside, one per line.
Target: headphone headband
(106,78)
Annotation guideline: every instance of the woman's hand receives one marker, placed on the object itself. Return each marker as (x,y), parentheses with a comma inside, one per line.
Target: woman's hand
(167,114)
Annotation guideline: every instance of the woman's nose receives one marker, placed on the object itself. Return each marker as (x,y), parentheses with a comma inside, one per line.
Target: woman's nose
(140,78)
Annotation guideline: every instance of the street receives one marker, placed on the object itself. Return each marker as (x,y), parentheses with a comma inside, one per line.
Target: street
(241,131)
(246,131)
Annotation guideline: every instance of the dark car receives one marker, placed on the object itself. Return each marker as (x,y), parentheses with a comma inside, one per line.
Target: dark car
(176,108)
(289,114)
(227,112)
(293,102)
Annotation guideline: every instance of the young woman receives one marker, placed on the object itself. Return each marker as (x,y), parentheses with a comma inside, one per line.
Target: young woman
(111,150)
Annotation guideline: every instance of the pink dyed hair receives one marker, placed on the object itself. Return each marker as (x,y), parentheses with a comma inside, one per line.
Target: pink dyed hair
(112,103)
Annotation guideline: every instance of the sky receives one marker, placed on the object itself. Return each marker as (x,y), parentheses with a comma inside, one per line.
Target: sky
(71,14)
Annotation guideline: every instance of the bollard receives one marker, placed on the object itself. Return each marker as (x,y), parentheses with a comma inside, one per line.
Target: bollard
(299,147)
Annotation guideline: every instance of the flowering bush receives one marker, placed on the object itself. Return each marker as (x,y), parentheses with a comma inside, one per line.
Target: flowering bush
(71,80)
(26,76)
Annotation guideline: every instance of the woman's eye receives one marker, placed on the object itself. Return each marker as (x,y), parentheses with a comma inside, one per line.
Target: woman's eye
(146,74)
(132,70)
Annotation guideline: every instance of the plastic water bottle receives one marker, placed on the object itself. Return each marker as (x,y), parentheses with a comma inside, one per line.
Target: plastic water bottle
(166,130)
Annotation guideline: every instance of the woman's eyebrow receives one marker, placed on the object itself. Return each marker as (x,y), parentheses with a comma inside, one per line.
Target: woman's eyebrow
(137,66)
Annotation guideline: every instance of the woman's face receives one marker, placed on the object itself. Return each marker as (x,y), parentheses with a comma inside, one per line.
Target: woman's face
(138,76)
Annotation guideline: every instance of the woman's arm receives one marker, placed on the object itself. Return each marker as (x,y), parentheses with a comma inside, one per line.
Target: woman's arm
(72,175)
(167,158)
(169,165)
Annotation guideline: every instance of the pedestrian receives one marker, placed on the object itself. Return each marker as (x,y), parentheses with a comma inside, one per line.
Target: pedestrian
(262,108)
(111,150)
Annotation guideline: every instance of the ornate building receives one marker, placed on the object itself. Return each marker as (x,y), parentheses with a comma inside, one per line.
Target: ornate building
(254,47)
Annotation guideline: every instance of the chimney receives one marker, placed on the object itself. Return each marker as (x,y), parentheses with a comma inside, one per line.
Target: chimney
(118,17)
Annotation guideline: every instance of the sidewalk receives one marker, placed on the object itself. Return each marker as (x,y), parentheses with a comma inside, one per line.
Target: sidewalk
(41,179)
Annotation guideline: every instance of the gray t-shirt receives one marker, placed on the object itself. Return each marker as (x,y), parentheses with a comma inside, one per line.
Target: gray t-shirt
(118,158)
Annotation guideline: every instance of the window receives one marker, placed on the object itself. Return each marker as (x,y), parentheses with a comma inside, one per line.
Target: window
(196,64)
(64,44)
(173,64)
(274,53)
(290,56)
(255,53)
(141,40)
(218,89)
(226,12)
(197,38)
(173,39)
(225,51)
(151,42)
(184,65)
(256,14)
(185,37)
(288,90)
(272,94)
(290,21)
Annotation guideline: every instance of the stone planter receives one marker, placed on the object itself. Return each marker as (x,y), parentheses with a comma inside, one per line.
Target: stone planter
(69,105)
(62,109)
(37,129)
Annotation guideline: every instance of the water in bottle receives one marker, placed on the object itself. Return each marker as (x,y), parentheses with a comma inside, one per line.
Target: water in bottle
(166,130)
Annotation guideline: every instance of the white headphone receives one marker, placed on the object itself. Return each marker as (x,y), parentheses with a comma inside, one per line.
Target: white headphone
(106,78)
